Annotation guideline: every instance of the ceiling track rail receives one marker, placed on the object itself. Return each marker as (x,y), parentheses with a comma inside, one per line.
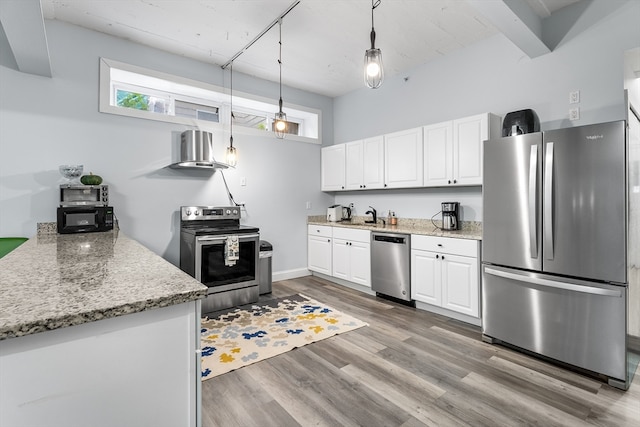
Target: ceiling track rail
(262,33)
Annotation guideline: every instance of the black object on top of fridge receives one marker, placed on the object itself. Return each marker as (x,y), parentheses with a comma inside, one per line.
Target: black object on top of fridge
(520,122)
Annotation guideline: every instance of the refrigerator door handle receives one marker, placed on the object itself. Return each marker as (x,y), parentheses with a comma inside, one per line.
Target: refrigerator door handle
(533,174)
(554,284)
(548,202)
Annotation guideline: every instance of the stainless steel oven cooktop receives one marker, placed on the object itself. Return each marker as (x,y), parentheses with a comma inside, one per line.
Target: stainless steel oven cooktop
(221,253)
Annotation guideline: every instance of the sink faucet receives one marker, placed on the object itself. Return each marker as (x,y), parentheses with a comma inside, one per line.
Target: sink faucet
(374,214)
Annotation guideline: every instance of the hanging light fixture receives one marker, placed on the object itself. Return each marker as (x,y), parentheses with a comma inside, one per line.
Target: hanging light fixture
(232,154)
(280,120)
(373,72)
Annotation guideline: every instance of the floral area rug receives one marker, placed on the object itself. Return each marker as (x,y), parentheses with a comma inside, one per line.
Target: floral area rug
(250,333)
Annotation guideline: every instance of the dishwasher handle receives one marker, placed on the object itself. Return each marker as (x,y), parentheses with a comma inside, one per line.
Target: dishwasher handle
(390,239)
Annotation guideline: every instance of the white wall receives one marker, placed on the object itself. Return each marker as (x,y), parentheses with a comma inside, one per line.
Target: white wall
(495,76)
(46,122)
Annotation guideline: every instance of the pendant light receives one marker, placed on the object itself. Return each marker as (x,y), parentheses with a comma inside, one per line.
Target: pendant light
(373,72)
(232,154)
(280,120)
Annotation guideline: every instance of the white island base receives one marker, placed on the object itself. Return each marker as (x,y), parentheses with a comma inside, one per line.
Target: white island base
(140,369)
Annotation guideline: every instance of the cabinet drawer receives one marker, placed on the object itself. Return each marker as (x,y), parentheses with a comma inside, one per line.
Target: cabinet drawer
(352,234)
(319,230)
(446,245)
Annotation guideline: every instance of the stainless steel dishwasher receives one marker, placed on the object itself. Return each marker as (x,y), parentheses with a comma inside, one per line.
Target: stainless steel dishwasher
(390,264)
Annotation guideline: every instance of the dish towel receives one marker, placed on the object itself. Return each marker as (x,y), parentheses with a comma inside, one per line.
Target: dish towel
(232,252)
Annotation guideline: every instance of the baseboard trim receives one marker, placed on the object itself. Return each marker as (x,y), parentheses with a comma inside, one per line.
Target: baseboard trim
(346,283)
(290,274)
(443,311)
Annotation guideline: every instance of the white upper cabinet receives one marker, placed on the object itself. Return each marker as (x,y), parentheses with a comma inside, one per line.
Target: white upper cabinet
(468,136)
(453,150)
(365,164)
(332,168)
(438,154)
(403,159)
(373,156)
(355,165)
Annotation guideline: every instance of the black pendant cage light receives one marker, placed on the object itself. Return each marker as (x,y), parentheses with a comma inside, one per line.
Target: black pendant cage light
(373,71)
(280,119)
(232,153)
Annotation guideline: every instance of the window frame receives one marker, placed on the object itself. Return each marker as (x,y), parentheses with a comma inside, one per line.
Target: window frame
(295,113)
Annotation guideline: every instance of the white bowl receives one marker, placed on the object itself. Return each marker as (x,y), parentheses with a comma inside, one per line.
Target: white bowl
(71,172)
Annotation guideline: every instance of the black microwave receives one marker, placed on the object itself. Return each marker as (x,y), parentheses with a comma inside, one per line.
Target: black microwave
(84,219)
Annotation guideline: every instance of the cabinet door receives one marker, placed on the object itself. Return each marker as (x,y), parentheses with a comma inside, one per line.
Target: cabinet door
(373,162)
(426,277)
(468,136)
(341,260)
(360,255)
(354,172)
(438,154)
(403,159)
(460,284)
(319,254)
(333,168)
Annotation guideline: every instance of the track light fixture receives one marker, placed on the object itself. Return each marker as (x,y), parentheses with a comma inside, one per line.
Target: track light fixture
(373,72)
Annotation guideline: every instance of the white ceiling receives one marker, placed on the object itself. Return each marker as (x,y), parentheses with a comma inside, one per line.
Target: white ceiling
(323,41)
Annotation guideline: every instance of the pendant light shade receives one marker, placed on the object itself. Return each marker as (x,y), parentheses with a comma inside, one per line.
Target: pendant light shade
(373,71)
(232,154)
(280,119)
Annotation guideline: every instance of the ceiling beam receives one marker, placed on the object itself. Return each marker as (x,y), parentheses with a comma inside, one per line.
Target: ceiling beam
(23,24)
(517,21)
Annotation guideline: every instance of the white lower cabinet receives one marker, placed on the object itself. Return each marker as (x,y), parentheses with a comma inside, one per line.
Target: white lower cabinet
(445,273)
(319,248)
(352,255)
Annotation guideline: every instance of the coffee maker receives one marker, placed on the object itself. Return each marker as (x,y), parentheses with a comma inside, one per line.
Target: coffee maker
(450,216)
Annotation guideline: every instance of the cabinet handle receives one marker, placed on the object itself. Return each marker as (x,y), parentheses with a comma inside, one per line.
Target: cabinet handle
(328,240)
(437,256)
(455,181)
(449,182)
(442,256)
(440,244)
(385,185)
(361,186)
(342,187)
(364,186)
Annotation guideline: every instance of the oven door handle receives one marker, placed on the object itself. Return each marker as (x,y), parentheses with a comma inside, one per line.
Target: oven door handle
(223,238)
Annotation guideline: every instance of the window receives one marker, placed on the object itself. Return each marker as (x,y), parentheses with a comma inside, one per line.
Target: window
(138,92)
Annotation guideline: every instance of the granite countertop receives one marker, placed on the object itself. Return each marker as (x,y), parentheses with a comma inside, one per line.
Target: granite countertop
(54,280)
(469,230)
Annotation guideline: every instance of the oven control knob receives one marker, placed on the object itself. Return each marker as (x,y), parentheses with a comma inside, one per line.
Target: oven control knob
(188,213)
(196,213)
(228,212)
(235,211)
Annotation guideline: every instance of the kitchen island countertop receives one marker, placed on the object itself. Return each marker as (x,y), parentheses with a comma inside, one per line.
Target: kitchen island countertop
(470,229)
(54,281)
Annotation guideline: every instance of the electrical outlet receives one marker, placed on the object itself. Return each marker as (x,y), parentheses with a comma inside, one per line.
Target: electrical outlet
(308,205)
(574,97)
(243,181)
(574,114)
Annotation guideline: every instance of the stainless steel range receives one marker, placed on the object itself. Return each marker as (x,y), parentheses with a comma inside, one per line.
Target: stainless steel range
(220,253)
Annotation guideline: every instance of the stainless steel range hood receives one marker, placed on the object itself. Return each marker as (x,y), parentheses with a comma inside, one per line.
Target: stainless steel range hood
(196,151)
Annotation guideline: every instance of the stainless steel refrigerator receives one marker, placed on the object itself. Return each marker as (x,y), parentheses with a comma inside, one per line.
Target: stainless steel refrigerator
(554,247)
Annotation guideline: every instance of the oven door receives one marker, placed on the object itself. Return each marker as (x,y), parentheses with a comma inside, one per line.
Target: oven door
(211,269)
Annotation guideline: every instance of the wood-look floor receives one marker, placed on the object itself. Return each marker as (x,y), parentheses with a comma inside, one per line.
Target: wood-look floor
(407,368)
